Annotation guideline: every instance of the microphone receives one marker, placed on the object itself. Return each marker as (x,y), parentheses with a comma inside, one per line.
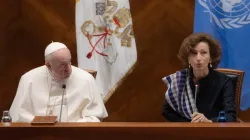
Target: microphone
(196,92)
(64,87)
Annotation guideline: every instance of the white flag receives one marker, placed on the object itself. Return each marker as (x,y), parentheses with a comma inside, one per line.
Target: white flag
(105,41)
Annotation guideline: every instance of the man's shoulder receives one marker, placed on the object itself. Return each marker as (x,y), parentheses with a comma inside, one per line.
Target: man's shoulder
(39,71)
(80,73)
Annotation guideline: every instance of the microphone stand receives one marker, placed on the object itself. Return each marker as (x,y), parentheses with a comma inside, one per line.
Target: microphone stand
(64,87)
(196,92)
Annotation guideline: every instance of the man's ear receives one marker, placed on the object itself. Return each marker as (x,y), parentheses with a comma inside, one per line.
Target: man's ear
(47,64)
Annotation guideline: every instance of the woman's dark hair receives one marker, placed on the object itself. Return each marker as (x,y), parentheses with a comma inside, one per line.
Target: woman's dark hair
(189,43)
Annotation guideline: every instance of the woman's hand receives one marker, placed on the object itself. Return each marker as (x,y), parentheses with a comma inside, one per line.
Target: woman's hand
(198,117)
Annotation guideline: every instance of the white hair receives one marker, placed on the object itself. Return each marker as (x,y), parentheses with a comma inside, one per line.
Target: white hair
(49,57)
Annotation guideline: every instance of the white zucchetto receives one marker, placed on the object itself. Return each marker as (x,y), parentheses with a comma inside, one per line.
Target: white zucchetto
(52,47)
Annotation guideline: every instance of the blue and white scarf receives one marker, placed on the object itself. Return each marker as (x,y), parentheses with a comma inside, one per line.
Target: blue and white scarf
(179,94)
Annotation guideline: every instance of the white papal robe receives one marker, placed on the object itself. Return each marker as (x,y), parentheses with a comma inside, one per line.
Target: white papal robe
(39,95)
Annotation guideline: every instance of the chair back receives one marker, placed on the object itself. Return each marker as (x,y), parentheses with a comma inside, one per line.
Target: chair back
(237,79)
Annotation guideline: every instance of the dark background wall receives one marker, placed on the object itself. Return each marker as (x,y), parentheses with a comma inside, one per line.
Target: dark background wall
(28,26)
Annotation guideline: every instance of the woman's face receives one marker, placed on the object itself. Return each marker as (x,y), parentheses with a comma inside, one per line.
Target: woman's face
(200,57)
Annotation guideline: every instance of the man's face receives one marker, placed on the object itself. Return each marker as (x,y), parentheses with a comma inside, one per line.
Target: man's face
(60,64)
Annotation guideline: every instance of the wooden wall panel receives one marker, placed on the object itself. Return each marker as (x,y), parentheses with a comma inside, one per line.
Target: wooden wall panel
(8,27)
(9,13)
(47,24)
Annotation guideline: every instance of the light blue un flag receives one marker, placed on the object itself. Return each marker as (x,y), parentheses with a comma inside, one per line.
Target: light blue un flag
(229,22)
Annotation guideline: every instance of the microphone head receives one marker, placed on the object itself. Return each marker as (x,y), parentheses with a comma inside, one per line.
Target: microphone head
(64,86)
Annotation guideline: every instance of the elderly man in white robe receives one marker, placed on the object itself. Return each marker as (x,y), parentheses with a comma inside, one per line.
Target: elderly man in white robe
(40,91)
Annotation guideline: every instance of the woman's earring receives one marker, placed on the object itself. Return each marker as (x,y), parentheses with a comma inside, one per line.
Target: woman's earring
(189,66)
(210,65)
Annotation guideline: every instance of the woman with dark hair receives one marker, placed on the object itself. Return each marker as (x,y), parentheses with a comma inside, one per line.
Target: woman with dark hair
(198,93)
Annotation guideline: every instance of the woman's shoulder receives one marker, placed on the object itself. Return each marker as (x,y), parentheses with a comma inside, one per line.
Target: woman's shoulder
(181,74)
(220,77)
(220,74)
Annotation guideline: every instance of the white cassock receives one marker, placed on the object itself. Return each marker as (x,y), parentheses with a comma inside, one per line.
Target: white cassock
(39,95)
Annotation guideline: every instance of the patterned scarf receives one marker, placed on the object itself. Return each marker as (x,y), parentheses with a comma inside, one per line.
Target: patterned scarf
(179,94)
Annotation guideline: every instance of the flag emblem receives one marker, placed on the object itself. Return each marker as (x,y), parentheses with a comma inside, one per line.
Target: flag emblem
(228,14)
(100,8)
(117,23)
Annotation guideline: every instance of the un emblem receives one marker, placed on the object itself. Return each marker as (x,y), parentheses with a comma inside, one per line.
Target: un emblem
(228,14)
